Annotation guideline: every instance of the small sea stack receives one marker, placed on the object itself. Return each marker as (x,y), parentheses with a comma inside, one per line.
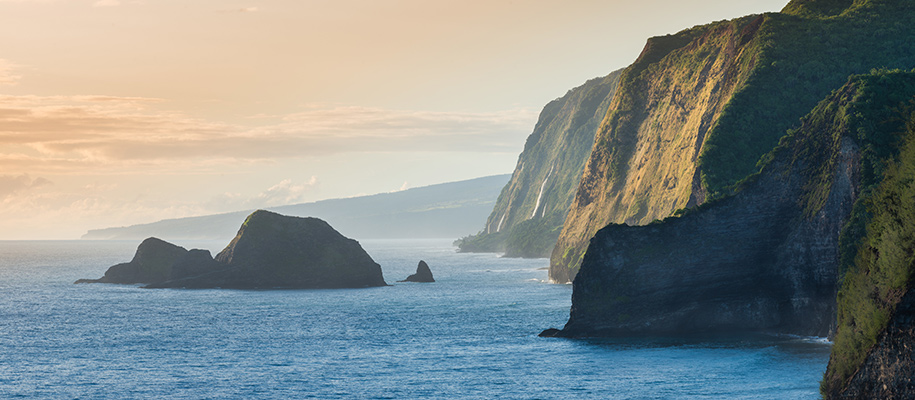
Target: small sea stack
(423,274)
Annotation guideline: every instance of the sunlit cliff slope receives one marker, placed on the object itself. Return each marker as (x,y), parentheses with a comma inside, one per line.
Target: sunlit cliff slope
(696,111)
(528,216)
(765,259)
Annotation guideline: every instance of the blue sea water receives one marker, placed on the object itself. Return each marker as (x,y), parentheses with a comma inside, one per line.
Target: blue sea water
(472,335)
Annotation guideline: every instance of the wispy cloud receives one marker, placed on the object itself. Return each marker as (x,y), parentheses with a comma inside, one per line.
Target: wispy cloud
(11,184)
(42,212)
(129,139)
(66,132)
(285,192)
(7,73)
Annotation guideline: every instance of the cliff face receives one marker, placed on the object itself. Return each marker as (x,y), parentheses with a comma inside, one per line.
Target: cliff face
(872,356)
(762,260)
(528,215)
(696,111)
(888,371)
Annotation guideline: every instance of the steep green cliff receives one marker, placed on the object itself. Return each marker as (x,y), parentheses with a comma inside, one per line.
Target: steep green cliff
(872,356)
(526,219)
(696,111)
(765,259)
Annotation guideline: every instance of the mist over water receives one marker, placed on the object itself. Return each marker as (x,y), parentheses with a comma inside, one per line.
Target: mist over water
(472,334)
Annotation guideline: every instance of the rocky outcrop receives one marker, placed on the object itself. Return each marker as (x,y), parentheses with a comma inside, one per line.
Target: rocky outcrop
(888,372)
(157,261)
(528,215)
(697,109)
(275,251)
(270,251)
(423,274)
(762,260)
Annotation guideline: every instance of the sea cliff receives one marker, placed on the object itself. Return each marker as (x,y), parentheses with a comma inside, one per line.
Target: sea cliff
(696,111)
(528,215)
(762,260)
(872,356)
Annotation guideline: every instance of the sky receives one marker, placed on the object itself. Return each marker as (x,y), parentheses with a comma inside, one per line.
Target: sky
(119,112)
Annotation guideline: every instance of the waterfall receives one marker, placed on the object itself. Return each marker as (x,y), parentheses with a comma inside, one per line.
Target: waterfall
(542,186)
(501,220)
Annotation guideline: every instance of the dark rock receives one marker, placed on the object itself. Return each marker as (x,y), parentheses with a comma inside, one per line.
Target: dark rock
(551,332)
(270,251)
(888,371)
(423,274)
(276,251)
(156,261)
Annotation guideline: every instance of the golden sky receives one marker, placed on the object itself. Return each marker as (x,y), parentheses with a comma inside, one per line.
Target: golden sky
(117,112)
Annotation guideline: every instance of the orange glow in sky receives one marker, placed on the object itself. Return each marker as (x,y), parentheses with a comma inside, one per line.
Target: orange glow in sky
(117,112)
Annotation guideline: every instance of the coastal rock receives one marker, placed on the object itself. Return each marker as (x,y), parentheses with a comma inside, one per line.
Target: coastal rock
(423,274)
(156,261)
(276,251)
(888,372)
(550,332)
(269,251)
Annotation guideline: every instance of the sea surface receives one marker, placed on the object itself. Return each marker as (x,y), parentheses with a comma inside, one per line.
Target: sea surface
(470,335)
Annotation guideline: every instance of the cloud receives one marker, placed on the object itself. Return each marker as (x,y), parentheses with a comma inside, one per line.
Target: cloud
(285,192)
(7,76)
(66,214)
(12,184)
(69,133)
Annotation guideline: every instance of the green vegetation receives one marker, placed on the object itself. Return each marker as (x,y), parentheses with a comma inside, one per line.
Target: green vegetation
(728,91)
(553,159)
(482,243)
(882,267)
(533,238)
(803,54)
(868,107)
(817,8)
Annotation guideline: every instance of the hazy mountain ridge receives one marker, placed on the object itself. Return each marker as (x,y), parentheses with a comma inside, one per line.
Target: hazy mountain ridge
(528,215)
(444,210)
(696,111)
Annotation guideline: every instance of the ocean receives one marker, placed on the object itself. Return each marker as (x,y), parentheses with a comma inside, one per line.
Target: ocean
(470,335)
